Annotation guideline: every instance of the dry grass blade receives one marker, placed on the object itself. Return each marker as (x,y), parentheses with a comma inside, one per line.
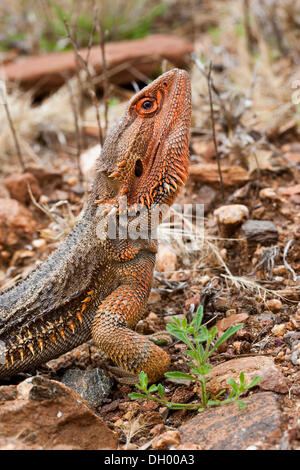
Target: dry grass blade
(91,87)
(209,83)
(3,101)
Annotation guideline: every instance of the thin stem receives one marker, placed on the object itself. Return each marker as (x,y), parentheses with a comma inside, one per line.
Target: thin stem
(209,82)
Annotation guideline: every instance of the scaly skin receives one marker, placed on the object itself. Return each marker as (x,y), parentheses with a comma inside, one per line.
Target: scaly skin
(93,286)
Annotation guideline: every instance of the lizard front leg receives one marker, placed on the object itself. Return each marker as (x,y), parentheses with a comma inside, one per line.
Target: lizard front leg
(120,312)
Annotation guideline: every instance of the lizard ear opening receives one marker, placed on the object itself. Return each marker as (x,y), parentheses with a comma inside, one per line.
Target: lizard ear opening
(138,171)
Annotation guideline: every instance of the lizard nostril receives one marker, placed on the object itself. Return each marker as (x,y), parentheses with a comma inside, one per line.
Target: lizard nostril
(138,171)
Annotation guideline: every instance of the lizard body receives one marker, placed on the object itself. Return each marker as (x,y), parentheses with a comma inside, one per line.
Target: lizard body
(95,286)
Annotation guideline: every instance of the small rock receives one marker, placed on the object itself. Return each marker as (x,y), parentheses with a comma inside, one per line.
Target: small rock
(260,231)
(206,196)
(229,428)
(166,259)
(279,330)
(275,305)
(46,413)
(208,173)
(188,446)
(290,191)
(291,337)
(17,185)
(268,193)
(38,243)
(88,161)
(93,384)
(263,366)
(193,303)
(166,440)
(230,217)
(205,149)
(154,297)
(16,223)
(232,320)
(295,354)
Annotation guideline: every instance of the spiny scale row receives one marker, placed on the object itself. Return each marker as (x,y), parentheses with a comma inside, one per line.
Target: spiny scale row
(49,330)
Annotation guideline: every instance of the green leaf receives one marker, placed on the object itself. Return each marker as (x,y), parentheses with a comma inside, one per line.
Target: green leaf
(197,320)
(179,376)
(229,332)
(242,405)
(191,354)
(233,384)
(220,393)
(143,380)
(136,396)
(161,391)
(204,369)
(176,406)
(242,379)
(175,331)
(254,382)
(152,388)
(212,403)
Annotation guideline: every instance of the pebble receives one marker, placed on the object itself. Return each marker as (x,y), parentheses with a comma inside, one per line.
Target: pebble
(279,330)
(275,305)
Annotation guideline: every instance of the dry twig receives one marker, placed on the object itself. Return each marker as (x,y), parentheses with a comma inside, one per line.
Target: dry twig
(91,89)
(209,82)
(3,101)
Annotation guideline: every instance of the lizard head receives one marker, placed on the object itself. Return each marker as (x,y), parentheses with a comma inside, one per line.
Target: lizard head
(147,153)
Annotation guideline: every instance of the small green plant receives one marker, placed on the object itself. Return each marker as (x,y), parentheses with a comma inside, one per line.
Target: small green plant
(193,335)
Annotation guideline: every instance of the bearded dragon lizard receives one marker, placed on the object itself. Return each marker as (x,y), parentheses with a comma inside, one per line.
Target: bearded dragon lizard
(93,286)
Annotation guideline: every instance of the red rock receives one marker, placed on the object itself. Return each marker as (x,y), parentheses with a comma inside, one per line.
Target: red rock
(144,54)
(16,223)
(290,191)
(47,414)
(233,320)
(233,175)
(296,199)
(229,428)
(251,366)
(167,440)
(205,149)
(17,185)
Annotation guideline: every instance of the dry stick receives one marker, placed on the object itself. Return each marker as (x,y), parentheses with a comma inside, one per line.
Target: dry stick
(82,108)
(277,31)
(101,36)
(201,68)
(248,30)
(209,82)
(77,129)
(12,128)
(91,90)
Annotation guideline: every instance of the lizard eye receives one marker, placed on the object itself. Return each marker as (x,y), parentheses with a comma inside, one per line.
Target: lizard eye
(147,106)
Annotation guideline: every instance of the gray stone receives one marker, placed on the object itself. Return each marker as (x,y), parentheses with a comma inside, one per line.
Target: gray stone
(260,231)
(93,385)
